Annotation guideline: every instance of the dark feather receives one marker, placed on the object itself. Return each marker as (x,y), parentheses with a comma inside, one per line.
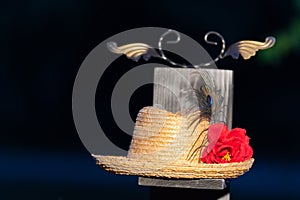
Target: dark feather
(208,99)
(208,107)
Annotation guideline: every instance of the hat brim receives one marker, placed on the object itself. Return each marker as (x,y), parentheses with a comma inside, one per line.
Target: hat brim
(178,169)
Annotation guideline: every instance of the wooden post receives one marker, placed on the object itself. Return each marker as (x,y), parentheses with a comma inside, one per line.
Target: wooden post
(168,86)
(160,193)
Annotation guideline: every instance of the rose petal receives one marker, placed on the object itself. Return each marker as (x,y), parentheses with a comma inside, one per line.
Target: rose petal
(222,142)
(215,131)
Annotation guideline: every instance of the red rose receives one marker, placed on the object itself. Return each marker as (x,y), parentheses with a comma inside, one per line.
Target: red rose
(226,145)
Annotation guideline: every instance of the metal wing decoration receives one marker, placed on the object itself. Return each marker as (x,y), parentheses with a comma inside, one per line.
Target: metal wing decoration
(133,51)
(248,48)
(245,48)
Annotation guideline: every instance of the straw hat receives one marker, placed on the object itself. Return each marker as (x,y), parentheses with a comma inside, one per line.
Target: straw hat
(164,146)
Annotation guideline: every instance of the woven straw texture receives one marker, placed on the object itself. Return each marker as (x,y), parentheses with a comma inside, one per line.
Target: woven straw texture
(127,166)
(164,146)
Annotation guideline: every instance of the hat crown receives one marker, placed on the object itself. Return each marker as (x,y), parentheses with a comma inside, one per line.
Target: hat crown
(162,136)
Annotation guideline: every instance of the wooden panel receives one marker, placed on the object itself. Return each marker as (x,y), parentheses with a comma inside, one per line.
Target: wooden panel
(170,84)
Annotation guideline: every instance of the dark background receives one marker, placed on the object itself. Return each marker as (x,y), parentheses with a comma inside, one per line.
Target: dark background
(43,44)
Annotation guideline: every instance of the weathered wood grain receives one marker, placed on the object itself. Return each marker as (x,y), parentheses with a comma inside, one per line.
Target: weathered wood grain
(215,184)
(170,84)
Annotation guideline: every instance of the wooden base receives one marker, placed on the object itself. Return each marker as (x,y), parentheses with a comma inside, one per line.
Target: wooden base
(208,184)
